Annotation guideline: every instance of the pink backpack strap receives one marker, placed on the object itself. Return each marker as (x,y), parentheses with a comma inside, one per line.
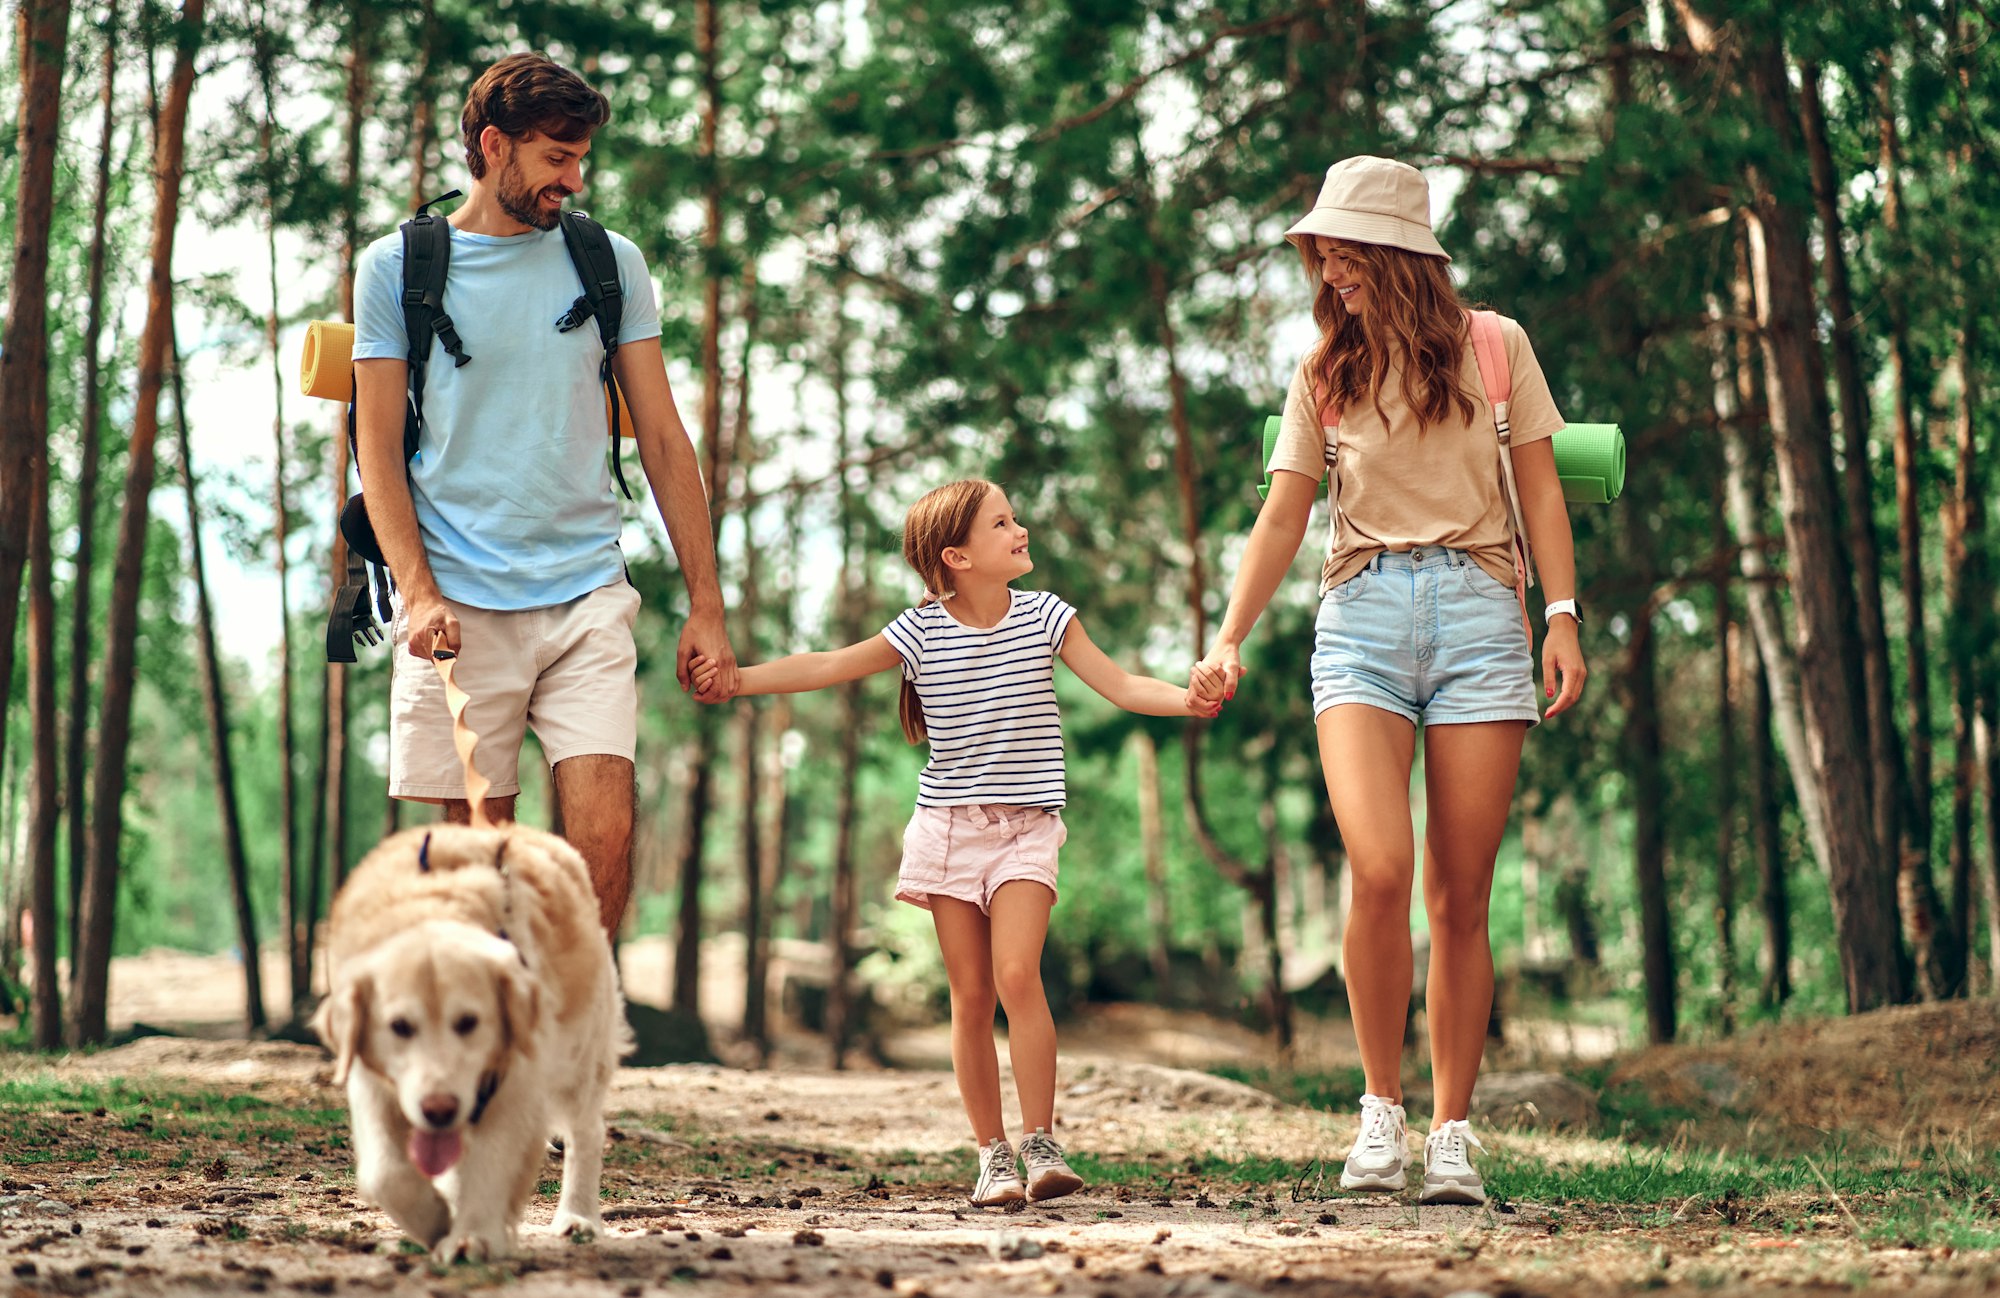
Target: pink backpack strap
(1489,348)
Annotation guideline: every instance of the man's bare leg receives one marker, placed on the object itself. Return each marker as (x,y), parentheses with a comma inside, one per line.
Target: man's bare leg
(457,811)
(598,796)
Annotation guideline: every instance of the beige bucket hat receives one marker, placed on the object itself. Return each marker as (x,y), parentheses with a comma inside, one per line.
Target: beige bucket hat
(1373,200)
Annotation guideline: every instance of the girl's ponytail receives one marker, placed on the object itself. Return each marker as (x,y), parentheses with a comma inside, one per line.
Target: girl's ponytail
(911,709)
(938,521)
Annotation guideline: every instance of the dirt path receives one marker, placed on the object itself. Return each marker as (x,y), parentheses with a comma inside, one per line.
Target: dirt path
(192,1167)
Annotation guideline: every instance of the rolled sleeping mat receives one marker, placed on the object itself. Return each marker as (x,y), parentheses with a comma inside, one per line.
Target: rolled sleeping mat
(1590,461)
(326,367)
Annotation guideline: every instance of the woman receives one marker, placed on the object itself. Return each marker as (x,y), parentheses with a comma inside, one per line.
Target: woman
(1418,625)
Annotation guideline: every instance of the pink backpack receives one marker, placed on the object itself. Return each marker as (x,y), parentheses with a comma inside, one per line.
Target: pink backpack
(1489,348)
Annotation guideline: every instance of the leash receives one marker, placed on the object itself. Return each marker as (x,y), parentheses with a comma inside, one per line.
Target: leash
(463,737)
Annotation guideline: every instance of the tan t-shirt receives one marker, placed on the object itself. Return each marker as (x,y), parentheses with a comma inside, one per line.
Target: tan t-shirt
(1399,488)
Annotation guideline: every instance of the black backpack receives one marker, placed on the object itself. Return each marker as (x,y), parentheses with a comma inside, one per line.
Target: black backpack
(426,261)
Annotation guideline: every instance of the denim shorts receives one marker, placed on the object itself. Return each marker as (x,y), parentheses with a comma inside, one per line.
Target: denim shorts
(1427,634)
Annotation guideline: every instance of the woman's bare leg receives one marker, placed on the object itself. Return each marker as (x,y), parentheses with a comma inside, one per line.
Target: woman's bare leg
(1469,773)
(1366,754)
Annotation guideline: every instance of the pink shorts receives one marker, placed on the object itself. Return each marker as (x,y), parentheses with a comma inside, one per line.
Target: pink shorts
(966,853)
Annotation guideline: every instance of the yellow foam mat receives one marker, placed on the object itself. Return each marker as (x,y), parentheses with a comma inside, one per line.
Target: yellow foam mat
(326,367)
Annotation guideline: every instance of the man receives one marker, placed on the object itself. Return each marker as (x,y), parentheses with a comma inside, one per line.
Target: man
(502,531)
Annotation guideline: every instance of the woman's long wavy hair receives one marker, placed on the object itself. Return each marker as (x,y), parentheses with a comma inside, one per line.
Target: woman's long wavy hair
(938,521)
(1413,316)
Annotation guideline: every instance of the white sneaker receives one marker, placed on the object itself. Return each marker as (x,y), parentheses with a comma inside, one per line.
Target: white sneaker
(1381,1152)
(1049,1176)
(999,1178)
(1448,1174)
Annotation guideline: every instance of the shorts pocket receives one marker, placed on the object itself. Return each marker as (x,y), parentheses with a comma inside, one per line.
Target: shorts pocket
(926,846)
(1482,583)
(1350,590)
(1041,839)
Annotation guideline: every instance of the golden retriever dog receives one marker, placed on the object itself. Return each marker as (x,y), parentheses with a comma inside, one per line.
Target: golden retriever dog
(474,1012)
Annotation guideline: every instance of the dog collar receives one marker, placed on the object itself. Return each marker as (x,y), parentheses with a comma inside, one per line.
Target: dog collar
(489,1083)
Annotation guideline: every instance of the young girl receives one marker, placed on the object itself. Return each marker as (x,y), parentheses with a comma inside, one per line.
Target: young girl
(980,854)
(1418,625)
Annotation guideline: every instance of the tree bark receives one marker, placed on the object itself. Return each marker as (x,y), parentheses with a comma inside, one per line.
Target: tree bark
(24,352)
(742,455)
(1914,878)
(1725,782)
(92,961)
(1640,690)
(216,703)
(1153,846)
(853,585)
(686,997)
(1766,844)
(43,808)
(1967,636)
(90,435)
(1889,794)
(280,501)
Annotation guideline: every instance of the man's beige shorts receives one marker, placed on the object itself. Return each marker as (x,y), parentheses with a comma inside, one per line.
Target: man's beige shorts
(570,671)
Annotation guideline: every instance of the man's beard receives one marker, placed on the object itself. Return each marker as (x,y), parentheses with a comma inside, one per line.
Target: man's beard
(524,204)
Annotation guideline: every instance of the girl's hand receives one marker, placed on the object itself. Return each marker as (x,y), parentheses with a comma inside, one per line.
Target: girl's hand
(705,677)
(1223,658)
(1206,688)
(1562,659)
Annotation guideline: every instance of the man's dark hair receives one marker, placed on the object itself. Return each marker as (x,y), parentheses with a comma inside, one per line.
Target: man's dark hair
(529,92)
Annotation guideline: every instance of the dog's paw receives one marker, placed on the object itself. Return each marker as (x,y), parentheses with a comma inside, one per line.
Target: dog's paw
(470,1246)
(579,1228)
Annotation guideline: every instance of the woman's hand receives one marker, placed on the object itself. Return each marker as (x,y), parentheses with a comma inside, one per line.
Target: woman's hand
(1562,660)
(1223,662)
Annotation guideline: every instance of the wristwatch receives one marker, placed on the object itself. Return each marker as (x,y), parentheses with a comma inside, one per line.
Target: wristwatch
(1556,606)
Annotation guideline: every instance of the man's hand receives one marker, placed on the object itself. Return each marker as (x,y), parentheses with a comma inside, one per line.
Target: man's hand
(430,618)
(707,638)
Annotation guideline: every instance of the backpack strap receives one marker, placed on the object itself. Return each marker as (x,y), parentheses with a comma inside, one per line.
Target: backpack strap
(426,263)
(1489,348)
(603,296)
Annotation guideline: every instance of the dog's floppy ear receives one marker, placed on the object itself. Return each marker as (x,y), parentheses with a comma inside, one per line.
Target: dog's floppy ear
(520,1008)
(341,1022)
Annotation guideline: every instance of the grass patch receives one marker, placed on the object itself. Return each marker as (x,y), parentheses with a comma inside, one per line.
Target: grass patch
(1338,1090)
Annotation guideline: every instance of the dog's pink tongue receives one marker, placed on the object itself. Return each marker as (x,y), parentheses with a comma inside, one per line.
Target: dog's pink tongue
(435,1152)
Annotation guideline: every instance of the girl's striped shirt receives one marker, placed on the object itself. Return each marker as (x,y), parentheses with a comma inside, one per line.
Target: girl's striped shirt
(989,701)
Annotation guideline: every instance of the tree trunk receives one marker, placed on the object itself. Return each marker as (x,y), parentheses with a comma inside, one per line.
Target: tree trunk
(422,107)
(1863,880)
(686,997)
(24,353)
(1914,879)
(1743,486)
(853,585)
(742,454)
(91,963)
(1766,844)
(1725,783)
(280,502)
(1889,796)
(217,706)
(1153,846)
(84,562)
(43,809)
(1271,899)
(1967,638)
(1640,692)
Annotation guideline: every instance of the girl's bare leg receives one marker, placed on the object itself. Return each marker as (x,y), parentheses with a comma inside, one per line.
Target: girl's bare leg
(964,939)
(1020,924)
(1366,753)
(1469,773)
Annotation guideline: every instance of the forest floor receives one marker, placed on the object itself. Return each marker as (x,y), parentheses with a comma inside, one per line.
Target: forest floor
(1811,1157)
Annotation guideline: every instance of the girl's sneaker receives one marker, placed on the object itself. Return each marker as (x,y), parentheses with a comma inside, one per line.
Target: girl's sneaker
(999,1178)
(1381,1153)
(1049,1177)
(1448,1174)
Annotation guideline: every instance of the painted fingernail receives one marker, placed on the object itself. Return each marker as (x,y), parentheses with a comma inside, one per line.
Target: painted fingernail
(1550,693)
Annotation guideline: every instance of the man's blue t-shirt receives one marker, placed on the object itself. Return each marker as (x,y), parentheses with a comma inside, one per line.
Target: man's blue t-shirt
(514,498)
